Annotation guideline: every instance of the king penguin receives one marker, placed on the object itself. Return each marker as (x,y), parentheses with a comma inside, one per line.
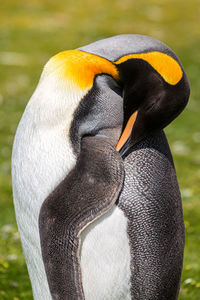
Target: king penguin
(95,191)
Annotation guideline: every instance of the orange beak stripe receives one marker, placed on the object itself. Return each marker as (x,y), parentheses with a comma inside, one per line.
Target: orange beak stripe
(127,131)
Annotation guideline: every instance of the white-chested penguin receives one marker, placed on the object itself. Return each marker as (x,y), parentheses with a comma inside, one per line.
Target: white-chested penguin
(95,191)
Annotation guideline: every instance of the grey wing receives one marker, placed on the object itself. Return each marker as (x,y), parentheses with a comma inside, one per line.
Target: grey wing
(87,192)
(151,201)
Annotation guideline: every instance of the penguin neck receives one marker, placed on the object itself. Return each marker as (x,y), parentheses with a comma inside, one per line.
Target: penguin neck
(54,102)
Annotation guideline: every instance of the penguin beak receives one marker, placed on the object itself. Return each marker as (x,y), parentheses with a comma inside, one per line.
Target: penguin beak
(126,134)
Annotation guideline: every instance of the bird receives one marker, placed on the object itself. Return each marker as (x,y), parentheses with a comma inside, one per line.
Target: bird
(95,190)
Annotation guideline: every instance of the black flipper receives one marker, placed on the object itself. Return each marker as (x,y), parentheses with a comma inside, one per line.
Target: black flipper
(88,191)
(152,203)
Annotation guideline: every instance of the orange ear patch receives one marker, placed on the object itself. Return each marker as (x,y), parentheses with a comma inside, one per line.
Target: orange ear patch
(164,64)
(80,67)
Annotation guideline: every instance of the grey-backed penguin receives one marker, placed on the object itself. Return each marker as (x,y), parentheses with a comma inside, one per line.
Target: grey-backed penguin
(96,196)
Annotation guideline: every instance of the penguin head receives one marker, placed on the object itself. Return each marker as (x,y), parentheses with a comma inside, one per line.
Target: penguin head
(154,85)
(131,81)
(155,91)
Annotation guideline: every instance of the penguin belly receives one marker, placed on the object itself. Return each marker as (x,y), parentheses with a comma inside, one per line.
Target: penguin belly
(105,257)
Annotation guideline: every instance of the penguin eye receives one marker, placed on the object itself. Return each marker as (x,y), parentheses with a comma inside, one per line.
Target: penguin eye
(153,100)
(150,106)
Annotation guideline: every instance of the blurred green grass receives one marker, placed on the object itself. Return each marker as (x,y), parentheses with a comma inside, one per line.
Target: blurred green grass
(30,33)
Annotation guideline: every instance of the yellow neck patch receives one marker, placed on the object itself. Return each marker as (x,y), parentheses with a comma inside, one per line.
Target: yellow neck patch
(164,64)
(81,67)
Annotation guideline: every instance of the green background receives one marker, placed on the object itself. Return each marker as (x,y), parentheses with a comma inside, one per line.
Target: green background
(30,33)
